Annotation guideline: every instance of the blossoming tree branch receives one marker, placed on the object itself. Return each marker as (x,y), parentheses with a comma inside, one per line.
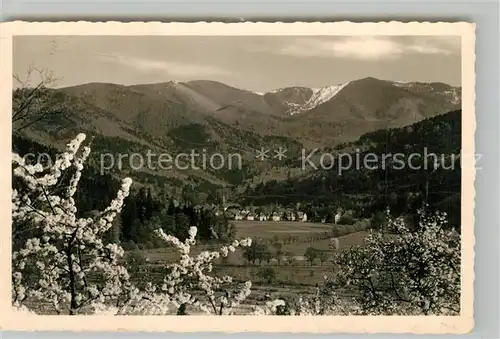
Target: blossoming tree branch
(69,267)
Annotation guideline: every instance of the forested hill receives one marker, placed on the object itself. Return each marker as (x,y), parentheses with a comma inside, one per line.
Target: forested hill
(403,181)
(145,209)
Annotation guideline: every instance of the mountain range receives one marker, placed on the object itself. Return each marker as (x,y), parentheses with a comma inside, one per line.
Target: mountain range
(201,114)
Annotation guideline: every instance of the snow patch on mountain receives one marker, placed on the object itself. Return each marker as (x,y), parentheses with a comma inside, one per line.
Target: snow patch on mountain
(318,97)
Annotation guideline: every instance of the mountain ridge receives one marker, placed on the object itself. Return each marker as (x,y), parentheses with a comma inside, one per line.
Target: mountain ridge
(178,116)
(314,96)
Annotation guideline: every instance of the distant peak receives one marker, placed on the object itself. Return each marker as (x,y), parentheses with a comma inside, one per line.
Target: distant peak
(369,78)
(320,96)
(372,81)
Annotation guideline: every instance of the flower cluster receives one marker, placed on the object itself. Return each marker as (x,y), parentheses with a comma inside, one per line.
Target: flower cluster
(189,282)
(68,264)
(188,285)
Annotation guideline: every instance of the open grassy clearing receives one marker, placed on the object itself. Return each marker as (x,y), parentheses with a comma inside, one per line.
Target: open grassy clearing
(271,229)
(295,238)
(291,276)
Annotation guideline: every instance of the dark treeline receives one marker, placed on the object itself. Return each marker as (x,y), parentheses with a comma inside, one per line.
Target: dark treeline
(143,214)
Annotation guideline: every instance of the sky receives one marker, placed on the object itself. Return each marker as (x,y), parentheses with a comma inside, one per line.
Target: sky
(256,63)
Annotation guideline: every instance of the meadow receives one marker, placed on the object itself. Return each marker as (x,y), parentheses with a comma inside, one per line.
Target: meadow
(295,238)
(292,275)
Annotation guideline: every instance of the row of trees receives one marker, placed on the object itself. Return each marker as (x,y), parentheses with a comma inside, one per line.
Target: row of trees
(258,253)
(311,254)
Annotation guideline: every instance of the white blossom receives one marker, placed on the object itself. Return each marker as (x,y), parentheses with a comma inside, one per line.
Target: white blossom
(191,272)
(420,268)
(71,247)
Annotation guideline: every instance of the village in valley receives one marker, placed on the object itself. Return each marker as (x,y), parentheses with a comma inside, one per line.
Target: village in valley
(258,214)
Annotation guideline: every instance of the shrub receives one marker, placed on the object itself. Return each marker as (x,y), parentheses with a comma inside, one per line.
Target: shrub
(363,224)
(135,259)
(149,245)
(350,229)
(311,254)
(378,220)
(129,246)
(267,274)
(346,219)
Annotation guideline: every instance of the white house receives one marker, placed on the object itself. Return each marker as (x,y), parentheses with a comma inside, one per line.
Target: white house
(261,217)
(301,216)
(337,217)
(250,216)
(288,215)
(238,216)
(244,213)
(275,217)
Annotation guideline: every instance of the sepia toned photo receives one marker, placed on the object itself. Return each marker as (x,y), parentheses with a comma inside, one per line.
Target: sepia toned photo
(246,170)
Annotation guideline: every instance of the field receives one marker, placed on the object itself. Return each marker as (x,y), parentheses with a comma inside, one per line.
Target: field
(292,275)
(295,238)
(269,229)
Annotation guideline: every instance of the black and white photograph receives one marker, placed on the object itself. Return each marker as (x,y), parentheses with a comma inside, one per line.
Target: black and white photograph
(259,175)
